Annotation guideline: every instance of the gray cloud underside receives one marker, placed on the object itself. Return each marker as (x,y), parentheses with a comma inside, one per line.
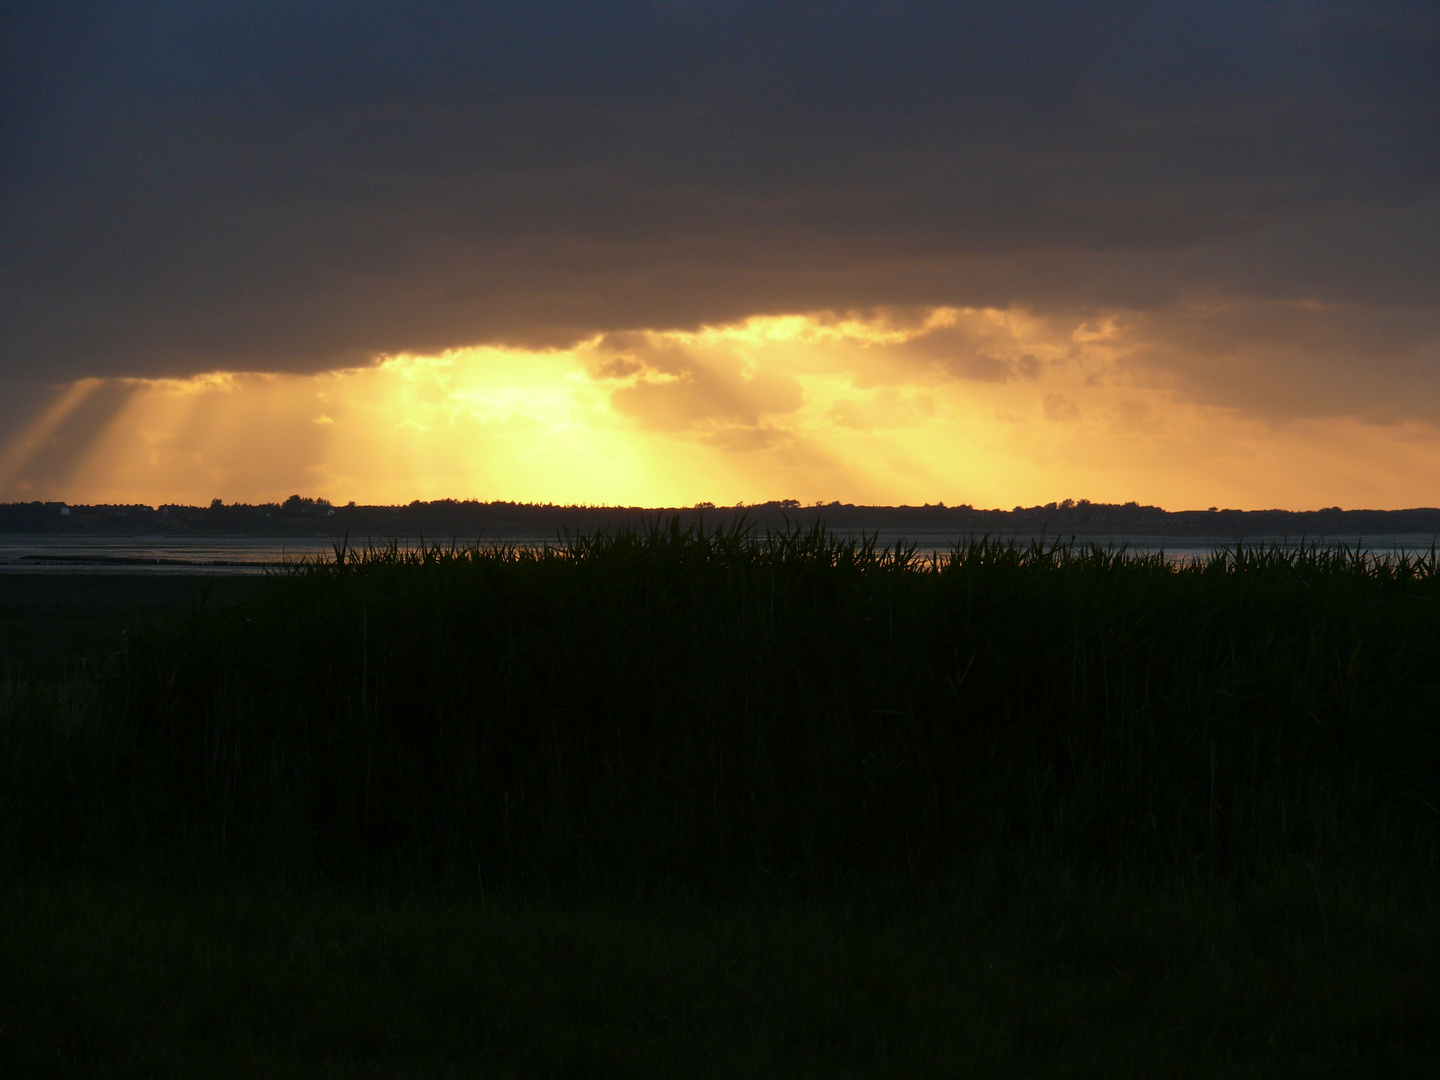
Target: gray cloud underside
(188,187)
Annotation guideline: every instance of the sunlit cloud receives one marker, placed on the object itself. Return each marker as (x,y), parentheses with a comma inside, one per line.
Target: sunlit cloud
(983,406)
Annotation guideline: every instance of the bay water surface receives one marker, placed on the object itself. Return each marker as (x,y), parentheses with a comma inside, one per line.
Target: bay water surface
(31,553)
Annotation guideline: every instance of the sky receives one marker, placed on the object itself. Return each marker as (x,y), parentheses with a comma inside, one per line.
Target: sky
(672,252)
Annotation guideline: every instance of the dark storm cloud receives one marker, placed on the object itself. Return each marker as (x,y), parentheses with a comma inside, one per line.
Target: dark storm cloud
(291,187)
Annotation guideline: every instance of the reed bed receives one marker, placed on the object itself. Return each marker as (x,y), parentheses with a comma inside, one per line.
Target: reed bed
(717,707)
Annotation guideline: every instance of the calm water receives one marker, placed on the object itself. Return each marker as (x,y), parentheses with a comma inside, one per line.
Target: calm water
(256,555)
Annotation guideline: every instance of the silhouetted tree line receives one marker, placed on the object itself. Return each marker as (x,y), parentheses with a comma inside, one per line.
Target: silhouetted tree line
(470,519)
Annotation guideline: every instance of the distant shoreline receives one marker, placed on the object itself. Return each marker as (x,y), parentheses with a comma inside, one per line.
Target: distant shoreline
(449,518)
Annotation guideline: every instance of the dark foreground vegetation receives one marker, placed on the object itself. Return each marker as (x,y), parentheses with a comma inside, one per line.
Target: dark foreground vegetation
(713,803)
(300,516)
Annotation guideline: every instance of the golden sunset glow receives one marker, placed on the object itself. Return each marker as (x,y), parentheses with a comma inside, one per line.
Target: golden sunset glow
(976,406)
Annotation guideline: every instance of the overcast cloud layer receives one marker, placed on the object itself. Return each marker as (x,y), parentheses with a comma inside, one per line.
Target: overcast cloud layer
(295,187)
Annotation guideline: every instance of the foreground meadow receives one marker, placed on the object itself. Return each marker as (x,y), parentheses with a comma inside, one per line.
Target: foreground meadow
(685,802)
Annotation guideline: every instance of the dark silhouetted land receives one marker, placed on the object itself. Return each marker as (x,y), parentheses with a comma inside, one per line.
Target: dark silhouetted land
(709,802)
(63,622)
(451,518)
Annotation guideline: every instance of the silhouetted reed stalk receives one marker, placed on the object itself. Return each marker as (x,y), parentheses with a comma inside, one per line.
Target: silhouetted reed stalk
(706,705)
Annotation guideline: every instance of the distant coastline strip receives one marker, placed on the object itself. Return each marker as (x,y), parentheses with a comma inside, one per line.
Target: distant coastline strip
(127,560)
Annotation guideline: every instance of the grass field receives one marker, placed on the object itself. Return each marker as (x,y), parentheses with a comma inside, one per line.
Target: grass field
(1041,976)
(58,623)
(713,803)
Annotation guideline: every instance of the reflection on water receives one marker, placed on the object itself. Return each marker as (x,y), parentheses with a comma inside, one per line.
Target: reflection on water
(156,554)
(257,554)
